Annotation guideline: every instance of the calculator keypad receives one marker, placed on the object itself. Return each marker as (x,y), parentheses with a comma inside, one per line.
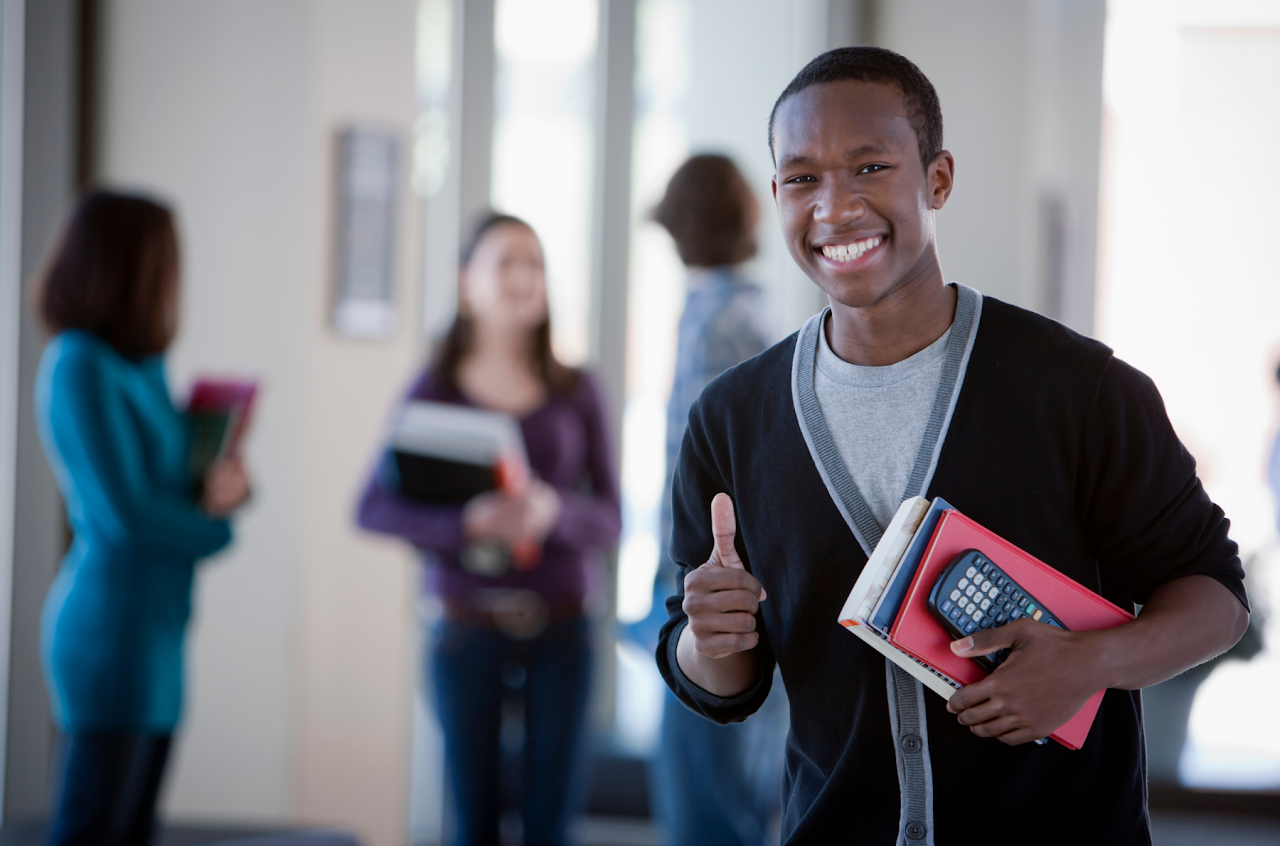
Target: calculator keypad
(984,597)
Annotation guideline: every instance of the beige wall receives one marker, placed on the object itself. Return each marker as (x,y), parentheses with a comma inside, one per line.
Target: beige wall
(301,656)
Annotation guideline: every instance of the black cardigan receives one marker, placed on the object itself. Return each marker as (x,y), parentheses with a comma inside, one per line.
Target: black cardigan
(1054,444)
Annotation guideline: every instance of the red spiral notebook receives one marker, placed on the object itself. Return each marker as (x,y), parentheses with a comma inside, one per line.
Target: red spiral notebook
(919,644)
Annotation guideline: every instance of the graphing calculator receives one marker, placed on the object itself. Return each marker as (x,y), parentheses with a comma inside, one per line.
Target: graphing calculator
(973,593)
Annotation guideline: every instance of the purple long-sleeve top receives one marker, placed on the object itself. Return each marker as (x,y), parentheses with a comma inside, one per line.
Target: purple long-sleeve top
(569,448)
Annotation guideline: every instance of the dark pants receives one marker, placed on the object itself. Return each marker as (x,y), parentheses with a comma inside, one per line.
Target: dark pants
(716,785)
(108,786)
(474,668)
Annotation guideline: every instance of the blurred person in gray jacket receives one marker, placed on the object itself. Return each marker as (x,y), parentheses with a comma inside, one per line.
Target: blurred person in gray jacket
(713,785)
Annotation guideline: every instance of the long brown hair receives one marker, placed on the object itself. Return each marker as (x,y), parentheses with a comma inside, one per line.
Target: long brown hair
(113,273)
(459,340)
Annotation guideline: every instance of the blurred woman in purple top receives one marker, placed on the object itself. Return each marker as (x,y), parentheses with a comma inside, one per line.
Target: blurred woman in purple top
(523,632)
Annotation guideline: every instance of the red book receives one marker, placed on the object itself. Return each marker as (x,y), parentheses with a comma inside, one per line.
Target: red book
(916,631)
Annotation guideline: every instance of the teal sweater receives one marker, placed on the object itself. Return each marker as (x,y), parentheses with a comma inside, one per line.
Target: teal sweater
(115,618)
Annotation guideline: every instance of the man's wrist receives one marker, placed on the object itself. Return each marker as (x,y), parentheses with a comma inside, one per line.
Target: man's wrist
(725,677)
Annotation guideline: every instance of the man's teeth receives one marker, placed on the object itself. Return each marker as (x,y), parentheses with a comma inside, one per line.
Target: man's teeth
(849,252)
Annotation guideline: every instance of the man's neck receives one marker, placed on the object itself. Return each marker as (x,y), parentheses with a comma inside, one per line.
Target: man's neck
(895,327)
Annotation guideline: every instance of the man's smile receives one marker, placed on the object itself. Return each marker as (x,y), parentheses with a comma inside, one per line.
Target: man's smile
(854,254)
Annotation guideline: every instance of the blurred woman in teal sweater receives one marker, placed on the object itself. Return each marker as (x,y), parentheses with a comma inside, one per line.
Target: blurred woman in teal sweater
(115,618)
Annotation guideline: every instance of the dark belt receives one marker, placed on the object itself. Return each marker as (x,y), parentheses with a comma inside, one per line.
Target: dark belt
(518,614)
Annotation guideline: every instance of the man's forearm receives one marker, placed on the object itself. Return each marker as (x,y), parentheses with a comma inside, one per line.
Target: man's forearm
(1184,623)
(723,677)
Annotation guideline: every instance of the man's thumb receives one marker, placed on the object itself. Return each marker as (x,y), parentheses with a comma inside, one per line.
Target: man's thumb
(724,527)
(983,642)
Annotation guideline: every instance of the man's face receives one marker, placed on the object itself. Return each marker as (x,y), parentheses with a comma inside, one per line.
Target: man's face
(855,204)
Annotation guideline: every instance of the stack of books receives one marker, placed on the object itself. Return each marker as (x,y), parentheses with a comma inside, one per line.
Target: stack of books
(447,454)
(218,412)
(888,606)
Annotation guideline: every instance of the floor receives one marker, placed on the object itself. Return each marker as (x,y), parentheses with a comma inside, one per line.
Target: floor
(1168,829)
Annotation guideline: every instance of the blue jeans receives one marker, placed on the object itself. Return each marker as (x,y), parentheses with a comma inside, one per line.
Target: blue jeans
(551,674)
(108,785)
(715,785)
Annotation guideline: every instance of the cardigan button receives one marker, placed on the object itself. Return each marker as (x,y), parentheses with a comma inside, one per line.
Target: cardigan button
(911,743)
(915,831)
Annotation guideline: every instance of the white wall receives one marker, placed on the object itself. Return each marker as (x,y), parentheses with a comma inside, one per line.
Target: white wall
(300,657)
(1020,83)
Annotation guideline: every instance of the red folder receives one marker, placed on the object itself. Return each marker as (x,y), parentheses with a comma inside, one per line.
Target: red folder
(918,633)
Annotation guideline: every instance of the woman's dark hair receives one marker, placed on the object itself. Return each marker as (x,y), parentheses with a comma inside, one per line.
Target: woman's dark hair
(457,342)
(707,210)
(876,64)
(114,273)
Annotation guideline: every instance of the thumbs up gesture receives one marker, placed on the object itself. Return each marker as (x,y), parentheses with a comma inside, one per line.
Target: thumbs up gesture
(720,597)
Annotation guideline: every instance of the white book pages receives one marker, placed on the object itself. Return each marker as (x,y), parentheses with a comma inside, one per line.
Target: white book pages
(939,683)
(884,559)
(457,433)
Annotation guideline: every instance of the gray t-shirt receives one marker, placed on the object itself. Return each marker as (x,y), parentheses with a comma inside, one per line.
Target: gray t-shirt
(877,417)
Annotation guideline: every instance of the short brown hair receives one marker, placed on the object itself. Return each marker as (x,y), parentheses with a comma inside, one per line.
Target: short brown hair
(114,273)
(707,210)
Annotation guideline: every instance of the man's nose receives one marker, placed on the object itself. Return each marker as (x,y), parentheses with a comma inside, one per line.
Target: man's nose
(838,203)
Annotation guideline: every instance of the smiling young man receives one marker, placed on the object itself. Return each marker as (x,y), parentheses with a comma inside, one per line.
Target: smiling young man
(906,386)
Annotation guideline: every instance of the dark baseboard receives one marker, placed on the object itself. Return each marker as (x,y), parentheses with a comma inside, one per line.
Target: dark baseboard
(1264,804)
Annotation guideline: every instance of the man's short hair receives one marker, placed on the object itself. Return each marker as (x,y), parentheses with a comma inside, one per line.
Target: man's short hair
(707,210)
(876,64)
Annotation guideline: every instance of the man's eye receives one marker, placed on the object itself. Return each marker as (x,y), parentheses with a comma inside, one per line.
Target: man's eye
(872,168)
(795,180)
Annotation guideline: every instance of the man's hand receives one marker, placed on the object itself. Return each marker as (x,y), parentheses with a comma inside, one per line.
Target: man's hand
(721,599)
(1050,673)
(1046,679)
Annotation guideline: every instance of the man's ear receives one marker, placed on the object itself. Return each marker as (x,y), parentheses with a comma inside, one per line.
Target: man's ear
(773,183)
(942,176)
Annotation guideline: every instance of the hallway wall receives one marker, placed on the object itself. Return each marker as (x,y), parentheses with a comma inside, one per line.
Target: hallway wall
(301,649)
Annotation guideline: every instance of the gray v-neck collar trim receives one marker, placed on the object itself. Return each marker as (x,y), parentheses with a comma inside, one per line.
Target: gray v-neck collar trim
(907,719)
(822,447)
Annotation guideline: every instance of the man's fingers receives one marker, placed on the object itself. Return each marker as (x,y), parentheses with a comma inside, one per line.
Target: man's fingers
(721,602)
(724,528)
(985,642)
(721,645)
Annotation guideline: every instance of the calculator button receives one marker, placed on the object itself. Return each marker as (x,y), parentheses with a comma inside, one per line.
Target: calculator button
(971,572)
(969,629)
(962,584)
(955,594)
(970,590)
(977,616)
(970,608)
(1001,582)
(1008,606)
(1036,616)
(1002,619)
(1029,609)
(955,612)
(993,593)
(986,568)
(1017,596)
(1008,587)
(985,604)
(986,586)
(1015,614)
